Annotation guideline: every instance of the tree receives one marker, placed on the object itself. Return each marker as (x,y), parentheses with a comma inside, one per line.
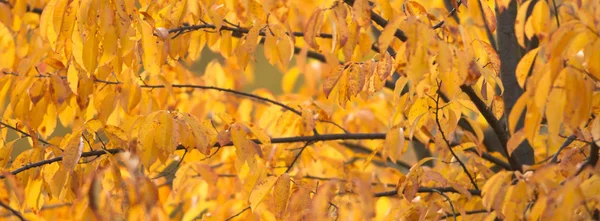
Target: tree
(116,125)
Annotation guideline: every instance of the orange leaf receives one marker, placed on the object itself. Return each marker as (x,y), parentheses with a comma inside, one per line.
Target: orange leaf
(313,27)
(73,146)
(362,12)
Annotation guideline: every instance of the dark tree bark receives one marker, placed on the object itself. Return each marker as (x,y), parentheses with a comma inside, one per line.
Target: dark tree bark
(509,52)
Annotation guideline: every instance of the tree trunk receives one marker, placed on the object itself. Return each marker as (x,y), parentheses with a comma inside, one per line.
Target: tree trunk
(509,52)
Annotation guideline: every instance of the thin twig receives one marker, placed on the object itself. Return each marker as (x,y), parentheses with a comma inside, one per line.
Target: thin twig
(24,133)
(231,91)
(449,202)
(452,12)
(428,190)
(556,12)
(472,212)
(297,157)
(487,156)
(567,142)
(13,211)
(362,149)
(437,120)
(237,214)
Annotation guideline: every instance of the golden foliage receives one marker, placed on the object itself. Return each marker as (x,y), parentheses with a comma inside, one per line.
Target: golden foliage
(112,122)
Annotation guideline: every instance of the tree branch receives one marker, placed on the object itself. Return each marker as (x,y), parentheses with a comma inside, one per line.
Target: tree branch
(437,120)
(449,202)
(24,133)
(472,212)
(490,158)
(592,159)
(493,122)
(297,157)
(428,190)
(567,142)
(361,149)
(381,22)
(452,12)
(311,139)
(238,214)
(13,211)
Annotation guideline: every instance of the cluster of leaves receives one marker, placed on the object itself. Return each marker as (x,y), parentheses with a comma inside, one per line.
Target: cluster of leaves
(149,139)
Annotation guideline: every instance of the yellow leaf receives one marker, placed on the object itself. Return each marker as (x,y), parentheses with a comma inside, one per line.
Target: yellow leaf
(165,141)
(394,143)
(520,22)
(525,64)
(419,108)
(65,20)
(73,78)
(207,173)
(200,134)
(514,141)
(492,57)
(256,10)
(596,130)
(489,16)
(384,66)
(216,14)
(460,188)
(313,27)
(353,36)
(498,107)
(47,31)
(7,44)
(260,191)
(540,17)
(5,152)
(252,39)
(560,39)
(73,146)
(332,79)
(362,12)
(339,18)
(145,140)
(197,42)
(34,198)
(419,64)
(87,26)
(110,41)
(533,119)
(289,80)
(245,149)
(414,8)
(285,49)
(538,208)
(342,89)
(517,110)
(387,35)
(150,55)
(270,48)
(356,80)
(281,193)
(492,186)
(593,57)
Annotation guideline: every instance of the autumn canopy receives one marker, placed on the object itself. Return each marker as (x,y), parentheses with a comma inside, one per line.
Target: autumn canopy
(380,110)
